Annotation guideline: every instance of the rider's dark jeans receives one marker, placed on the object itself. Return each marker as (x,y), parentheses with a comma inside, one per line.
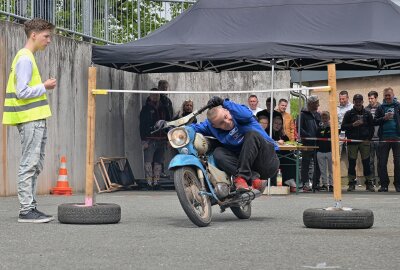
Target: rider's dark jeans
(257,159)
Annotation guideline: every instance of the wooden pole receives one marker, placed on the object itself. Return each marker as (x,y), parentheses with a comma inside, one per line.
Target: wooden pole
(3,134)
(337,181)
(90,137)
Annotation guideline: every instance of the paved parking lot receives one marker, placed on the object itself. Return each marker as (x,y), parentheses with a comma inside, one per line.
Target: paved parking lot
(154,233)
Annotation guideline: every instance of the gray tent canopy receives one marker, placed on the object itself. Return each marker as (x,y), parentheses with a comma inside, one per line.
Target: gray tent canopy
(243,35)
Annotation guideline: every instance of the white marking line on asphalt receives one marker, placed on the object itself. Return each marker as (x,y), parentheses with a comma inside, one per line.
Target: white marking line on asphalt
(321,266)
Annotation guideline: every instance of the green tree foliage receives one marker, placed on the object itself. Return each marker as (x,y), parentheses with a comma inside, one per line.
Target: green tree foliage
(112,20)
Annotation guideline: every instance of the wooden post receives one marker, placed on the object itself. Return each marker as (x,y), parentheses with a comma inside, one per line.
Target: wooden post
(90,137)
(337,181)
(3,134)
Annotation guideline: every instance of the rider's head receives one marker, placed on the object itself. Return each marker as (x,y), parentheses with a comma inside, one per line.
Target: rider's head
(220,118)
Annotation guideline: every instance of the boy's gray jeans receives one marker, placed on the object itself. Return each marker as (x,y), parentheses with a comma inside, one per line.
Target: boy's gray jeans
(33,140)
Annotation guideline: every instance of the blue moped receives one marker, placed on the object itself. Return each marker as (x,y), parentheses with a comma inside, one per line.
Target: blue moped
(198,182)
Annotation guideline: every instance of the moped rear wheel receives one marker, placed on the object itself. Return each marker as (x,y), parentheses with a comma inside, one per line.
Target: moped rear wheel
(197,207)
(242,212)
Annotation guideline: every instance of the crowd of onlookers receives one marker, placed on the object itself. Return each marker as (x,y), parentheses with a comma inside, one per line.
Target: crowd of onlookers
(371,131)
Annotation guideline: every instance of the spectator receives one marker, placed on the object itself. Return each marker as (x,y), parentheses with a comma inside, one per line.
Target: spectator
(187,108)
(247,152)
(288,123)
(344,106)
(358,125)
(163,85)
(309,123)
(372,106)
(253,104)
(264,122)
(387,116)
(324,152)
(267,111)
(153,144)
(286,158)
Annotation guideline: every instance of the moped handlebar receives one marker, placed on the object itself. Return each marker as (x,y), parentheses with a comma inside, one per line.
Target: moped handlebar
(162,124)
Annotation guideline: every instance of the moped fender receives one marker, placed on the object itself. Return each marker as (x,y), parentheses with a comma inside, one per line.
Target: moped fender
(181,160)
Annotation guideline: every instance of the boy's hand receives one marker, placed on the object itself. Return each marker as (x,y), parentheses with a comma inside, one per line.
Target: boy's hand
(50,84)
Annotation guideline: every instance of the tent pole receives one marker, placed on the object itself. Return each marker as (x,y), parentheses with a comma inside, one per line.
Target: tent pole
(272,98)
(337,181)
(90,137)
(300,105)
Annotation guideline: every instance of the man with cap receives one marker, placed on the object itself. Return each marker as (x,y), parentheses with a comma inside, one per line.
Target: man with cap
(309,124)
(358,125)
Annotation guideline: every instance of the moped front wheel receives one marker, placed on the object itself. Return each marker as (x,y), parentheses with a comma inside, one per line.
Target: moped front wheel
(196,206)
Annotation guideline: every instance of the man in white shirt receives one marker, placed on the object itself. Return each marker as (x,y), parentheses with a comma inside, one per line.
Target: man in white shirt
(344,106)
(253,104)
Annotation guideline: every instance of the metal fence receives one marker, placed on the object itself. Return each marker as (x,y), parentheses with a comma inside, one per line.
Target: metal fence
(99,21)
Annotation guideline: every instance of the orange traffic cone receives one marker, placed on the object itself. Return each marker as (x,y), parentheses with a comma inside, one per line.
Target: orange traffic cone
(62,187)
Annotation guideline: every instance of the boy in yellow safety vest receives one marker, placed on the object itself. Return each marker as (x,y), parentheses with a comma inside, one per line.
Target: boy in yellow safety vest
(26,107)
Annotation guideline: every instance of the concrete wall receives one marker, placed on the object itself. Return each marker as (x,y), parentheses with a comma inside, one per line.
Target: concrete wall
(225,81)
(68,62)
(117,119)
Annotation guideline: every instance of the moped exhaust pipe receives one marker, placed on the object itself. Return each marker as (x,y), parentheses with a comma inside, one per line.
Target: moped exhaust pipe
(241,199)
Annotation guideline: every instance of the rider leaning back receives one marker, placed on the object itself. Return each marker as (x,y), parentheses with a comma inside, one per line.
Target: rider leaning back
(247,152)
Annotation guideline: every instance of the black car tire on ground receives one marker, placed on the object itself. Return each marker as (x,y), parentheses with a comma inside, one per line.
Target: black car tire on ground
(338,219)
(101,213)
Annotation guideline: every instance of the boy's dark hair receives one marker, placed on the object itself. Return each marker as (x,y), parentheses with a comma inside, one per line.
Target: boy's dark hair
(37,25)
(269,101)
(251,96)
(163,85)
(373,93)
(343,93)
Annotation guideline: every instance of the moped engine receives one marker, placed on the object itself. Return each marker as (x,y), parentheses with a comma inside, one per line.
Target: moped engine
(222,190)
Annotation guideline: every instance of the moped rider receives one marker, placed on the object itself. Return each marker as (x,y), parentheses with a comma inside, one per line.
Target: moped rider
(247,152)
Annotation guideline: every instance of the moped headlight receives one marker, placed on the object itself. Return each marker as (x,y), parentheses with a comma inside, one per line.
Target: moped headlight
(178,137)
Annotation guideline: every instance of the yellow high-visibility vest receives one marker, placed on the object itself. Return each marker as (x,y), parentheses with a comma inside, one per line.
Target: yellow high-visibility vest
(18,111)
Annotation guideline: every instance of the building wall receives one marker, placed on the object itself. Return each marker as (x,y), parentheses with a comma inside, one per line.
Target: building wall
(117,115)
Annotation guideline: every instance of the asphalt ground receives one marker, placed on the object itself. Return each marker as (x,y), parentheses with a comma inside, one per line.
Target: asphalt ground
(154,233)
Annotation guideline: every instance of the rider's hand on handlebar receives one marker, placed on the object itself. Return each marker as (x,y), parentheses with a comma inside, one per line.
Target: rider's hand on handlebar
(215,101)
(160,124)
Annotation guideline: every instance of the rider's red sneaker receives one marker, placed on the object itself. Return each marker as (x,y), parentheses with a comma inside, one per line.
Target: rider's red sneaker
(241,184)
(259,184)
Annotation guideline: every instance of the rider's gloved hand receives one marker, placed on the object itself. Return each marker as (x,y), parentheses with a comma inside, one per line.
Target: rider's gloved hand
(160,124)
(215,101)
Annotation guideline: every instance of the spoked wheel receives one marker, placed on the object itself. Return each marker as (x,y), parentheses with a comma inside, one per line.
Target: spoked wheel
(197,207)
(242,212)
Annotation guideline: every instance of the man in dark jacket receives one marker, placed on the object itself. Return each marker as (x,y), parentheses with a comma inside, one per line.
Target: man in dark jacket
(358,125)
(163,85)
(372,106)
(387,116)
(309,124)
(153,144)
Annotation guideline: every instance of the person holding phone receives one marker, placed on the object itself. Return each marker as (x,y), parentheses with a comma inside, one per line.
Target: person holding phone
(358,125)
(387,116)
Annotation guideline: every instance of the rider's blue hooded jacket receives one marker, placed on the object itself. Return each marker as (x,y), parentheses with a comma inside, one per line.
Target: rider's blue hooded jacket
(244,121)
